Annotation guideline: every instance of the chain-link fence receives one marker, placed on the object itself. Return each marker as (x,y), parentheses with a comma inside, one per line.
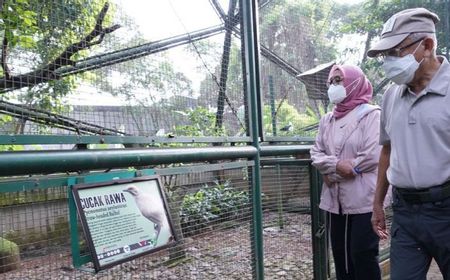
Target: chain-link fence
(170,69)
(211,211)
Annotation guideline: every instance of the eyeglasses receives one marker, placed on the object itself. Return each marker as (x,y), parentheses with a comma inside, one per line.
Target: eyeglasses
(335,81)
(398,51)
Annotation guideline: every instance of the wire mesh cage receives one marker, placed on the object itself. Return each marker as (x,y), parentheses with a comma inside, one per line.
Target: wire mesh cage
(159,69)
(287,221)
(211,212)
(165,74)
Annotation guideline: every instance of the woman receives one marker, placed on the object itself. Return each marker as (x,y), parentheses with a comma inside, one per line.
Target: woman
(346,153)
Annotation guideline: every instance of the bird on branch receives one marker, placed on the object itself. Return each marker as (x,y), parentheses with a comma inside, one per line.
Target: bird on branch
(288,128)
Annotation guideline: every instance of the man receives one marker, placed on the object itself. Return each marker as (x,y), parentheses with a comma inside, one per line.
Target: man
(415,134)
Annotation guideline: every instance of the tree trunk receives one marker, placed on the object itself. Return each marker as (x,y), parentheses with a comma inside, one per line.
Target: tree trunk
(224,65)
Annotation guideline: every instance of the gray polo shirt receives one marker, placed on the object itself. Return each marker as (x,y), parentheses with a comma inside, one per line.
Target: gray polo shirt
(418,128)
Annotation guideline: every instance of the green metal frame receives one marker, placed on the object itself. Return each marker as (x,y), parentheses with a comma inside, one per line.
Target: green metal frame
(249,9)
(318,227)
(67,161)
(107,139)
(79,260)
(138,140)
(47,162)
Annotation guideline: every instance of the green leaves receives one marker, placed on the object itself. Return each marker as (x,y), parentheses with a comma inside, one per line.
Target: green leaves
(211,205)
(288,115)
(18,21)
(40,31)
(202,123)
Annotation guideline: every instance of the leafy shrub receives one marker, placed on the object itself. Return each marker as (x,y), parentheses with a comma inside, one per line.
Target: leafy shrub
(211,205)
(9,255)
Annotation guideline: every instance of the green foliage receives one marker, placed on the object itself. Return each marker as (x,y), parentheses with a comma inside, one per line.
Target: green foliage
(368,17)
(19,23)
(305,27)
(288,115)
(9,255)
(8,247)
(11,148)
(202,123)
(150,81)
(211,205)
(40,31)
(209,87)
(5,122)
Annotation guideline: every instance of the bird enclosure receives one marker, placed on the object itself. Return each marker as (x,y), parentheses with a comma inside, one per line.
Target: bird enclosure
(219,99)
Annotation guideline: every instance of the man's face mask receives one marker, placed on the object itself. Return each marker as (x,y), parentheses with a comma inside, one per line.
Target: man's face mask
(337,93)
(401,70)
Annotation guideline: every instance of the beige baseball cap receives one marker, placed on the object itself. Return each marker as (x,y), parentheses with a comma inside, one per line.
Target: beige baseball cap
(400,25)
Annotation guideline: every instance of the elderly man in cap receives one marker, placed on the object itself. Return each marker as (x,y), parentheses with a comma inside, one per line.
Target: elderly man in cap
(415,138)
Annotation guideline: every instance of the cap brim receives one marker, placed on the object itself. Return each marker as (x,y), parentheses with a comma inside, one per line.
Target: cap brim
(386,44)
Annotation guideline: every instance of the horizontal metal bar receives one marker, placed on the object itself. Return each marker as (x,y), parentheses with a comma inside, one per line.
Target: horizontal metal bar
(47,162)
(45,182)
(203,167)
(285,161)
(103,139)
(92,139)
(301,139)
(282,150)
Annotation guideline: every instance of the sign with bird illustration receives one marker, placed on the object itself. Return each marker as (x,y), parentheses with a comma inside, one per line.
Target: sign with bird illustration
(123,219)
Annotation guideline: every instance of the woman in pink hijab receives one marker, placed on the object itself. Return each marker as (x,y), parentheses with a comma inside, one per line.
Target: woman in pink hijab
(346,153)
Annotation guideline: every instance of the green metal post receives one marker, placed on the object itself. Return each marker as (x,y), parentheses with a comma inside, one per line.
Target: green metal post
(252,81)
(279,198)
(77,259)
(272,106)
(318,227)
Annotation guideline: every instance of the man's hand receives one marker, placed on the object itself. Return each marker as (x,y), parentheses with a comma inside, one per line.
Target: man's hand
(379,222)
(344,168)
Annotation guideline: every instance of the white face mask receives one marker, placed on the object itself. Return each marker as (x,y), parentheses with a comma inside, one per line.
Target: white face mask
(401,70)
(337,93)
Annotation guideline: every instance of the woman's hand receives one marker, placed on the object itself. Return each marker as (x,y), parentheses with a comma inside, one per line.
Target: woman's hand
(344,168)
(327,180)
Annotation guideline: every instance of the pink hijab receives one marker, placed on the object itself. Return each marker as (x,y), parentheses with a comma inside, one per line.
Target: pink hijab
(361,93)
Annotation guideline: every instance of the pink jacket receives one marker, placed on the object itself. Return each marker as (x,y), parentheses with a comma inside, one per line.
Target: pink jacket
(360,144)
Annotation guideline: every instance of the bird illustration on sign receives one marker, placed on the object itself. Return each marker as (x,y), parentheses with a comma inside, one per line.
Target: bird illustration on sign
(151,207)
